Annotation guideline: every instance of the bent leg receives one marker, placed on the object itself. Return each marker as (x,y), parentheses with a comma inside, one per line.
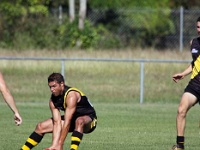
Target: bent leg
(187,101)
(44,127)
(36,137)
(82,124)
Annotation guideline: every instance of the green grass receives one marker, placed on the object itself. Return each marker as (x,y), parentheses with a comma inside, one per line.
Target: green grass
(101,81)
(120,126)
(113,88)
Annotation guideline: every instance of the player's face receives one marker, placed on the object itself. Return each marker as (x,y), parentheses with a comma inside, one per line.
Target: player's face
(198,28)
(56,88)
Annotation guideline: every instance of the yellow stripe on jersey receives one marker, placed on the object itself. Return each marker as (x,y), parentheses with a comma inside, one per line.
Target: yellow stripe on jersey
(71,89)
(196,68)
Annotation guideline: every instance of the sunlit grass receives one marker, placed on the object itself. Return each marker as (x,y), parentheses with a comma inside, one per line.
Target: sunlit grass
(120,126)
(101,81)
(114,90)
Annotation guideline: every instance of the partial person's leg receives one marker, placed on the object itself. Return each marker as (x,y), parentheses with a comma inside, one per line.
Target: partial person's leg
(82,124)
(36,137)
(187,101)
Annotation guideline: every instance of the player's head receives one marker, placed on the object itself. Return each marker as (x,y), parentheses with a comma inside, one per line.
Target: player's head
(56,77)
(198,19)
(56,83)
(198,25)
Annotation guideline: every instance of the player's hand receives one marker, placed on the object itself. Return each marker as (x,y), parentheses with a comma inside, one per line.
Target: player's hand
(50,148)
(54,148)
(177,77)
(17,119)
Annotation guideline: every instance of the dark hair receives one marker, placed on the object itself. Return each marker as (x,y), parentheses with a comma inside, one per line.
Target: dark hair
(56,77)
(198,19)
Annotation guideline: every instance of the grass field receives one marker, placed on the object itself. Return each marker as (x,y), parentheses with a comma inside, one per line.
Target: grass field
(120,126)
(101,81)
(113,88)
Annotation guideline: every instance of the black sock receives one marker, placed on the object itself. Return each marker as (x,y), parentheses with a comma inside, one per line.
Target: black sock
(32,141)
(180,141)
(75,140)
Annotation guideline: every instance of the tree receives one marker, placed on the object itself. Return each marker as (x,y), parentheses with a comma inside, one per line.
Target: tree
(14,15)
(187,4)
(71,10)
(10,10)
(129,3)
(82,12)
(143,23)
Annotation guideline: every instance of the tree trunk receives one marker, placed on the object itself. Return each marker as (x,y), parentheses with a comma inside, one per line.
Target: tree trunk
(82,13)
(71,10)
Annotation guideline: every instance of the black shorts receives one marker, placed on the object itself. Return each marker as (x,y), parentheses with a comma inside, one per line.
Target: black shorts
(93,123)
(195,90)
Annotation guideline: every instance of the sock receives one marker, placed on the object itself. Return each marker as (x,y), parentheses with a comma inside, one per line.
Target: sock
(32,141)
(180,141)
(75,140)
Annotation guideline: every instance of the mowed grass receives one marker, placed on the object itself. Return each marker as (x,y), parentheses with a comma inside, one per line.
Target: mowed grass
(120,126)
(101,81)
(113,88)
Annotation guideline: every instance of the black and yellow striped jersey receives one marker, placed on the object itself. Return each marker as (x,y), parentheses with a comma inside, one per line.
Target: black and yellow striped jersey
(83,107)
(195,51)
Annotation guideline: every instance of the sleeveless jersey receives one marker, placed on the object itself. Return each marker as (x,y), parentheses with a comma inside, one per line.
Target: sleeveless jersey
(83,107)
(193,86)
(195,51)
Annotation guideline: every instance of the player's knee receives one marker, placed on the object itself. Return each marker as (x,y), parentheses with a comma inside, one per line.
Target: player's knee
(39,127)
(80,122)
(181,112)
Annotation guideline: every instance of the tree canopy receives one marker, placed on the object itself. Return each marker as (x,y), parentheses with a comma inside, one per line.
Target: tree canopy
(128,3)
(134,21)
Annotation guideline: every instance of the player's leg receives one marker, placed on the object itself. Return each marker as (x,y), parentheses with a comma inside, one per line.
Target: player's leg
(187,101)
(83,124)
(37,135)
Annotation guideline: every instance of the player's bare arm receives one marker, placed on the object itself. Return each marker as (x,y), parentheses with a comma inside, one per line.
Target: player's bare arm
(9,100)
(71,101)
(180,76)
(57,125)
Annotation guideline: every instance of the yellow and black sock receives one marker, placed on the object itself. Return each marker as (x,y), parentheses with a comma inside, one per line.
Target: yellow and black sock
(180,141)
(75,140)
(32,141)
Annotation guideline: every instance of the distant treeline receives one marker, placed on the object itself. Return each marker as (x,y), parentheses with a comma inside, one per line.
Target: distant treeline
(45,25)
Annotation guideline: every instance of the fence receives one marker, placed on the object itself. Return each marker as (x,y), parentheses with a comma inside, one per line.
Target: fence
(126,22)
(63,61)
(107,28)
